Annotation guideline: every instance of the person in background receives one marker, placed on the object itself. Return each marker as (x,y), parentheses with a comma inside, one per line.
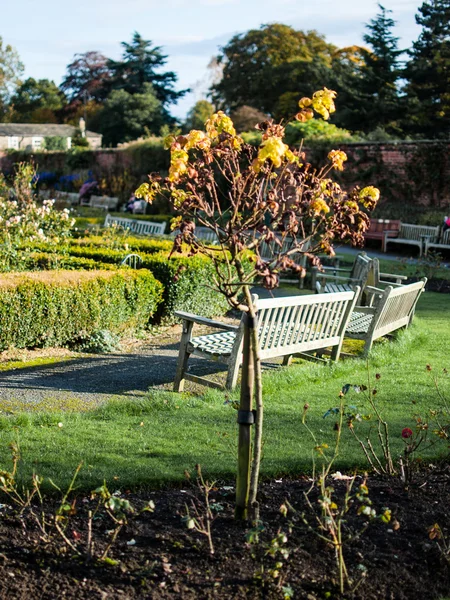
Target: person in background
(446,224)
(130,204)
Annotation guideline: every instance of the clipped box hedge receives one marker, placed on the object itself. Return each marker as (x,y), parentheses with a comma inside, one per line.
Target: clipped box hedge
(55,308)
(187,285)
(186,280)
(38,261)
(135,244)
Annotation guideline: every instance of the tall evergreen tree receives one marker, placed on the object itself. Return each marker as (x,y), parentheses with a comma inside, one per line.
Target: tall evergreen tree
(428,72)
(141,63)
(381,73)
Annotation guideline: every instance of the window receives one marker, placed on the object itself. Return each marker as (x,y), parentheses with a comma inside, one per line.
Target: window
(36,142)
(13,142)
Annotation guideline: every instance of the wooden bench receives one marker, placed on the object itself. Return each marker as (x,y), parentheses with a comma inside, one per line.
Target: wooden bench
(381,229)
(287,326)
(136,226)
(272,250)
(391,309)
(339,279)
(414,235)
(441,242)
(104,202)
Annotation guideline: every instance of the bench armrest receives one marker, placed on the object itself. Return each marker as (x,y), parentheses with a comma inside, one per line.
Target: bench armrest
(327,268)
(398,278)
(204,321)
(367,310)
(325,277)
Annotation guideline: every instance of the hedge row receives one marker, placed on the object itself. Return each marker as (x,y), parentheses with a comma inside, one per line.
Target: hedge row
(43,261)
(148,245)
(186,280)
(55,308)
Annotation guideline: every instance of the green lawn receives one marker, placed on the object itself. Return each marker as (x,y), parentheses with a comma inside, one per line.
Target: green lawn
(151,441)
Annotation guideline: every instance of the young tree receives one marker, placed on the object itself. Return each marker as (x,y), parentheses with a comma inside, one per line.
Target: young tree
(36,101)
(247,196)
(428,72)
(126,117)
(141,64)
(11,71)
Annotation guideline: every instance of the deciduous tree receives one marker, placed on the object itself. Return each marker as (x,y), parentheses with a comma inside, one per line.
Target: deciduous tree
(36,101)
(11,71)
(126,117)
(261,62)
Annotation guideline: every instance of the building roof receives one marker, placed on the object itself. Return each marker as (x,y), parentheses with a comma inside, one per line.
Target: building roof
(42,129)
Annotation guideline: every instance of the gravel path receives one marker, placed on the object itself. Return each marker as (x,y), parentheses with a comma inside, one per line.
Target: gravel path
(94,379)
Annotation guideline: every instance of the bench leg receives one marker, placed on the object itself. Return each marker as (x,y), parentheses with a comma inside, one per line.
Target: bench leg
(232,375)
(183,357)
(336,351)
(367,347)
(287,360)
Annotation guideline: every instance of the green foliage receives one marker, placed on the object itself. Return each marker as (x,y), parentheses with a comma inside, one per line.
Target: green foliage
(36,101)
(261,62)
(128,243)
(40,311)
(99,342)
(55,143)
(22,219)
(139,68)
(198,115)
(187,284)
(186,280)
(380,104)
(127,116)
(317,130)
(428,83)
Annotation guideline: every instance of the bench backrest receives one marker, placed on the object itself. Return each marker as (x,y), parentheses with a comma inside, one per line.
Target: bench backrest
(380,225)
(136,226)
(445,238)
(271,250)
(416,232)
(395,307)
(300,323)
(103,202)
(361,267)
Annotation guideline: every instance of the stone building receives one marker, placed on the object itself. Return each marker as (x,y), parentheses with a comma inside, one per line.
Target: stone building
(31,136)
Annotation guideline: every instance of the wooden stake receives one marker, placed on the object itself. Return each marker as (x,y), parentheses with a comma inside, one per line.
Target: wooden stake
(244,441)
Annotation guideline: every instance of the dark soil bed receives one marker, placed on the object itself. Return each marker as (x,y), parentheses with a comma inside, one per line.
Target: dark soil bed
(159,557)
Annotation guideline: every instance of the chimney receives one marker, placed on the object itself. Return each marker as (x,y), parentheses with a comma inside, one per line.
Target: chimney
(83,127)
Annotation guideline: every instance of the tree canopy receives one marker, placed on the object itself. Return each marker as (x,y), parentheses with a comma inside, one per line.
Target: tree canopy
(126,117)
(87,77)
(36,101)
(141,64)
(257,64)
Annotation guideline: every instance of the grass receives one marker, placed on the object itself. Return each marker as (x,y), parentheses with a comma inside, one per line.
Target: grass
(150,441)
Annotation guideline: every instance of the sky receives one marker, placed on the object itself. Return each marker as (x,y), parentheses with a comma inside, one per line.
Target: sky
(48,33)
